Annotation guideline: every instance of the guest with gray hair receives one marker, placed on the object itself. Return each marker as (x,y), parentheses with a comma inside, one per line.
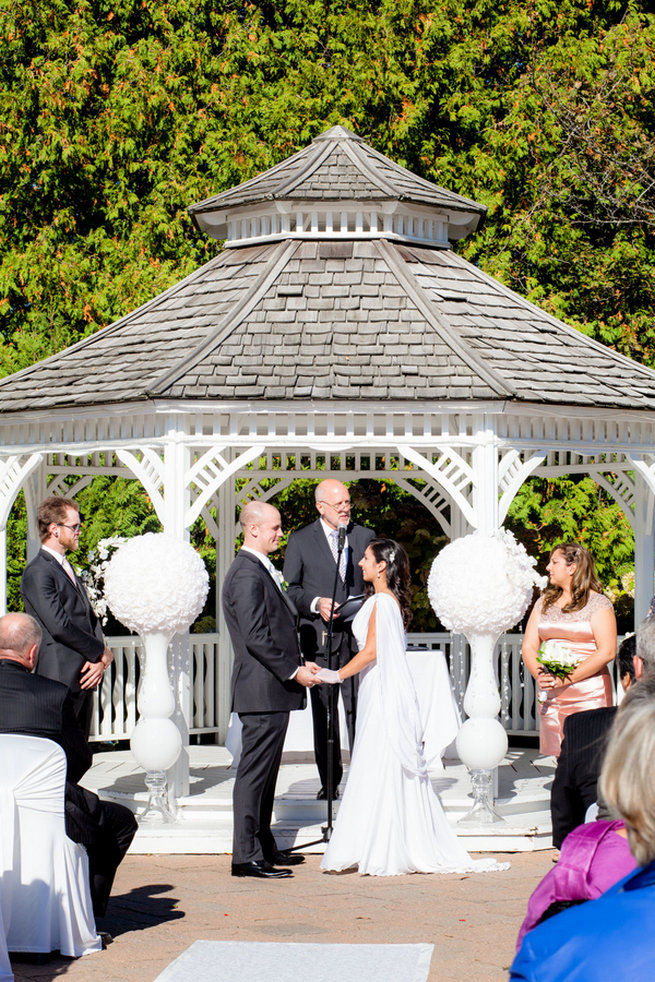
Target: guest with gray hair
(645,658)
(605,938)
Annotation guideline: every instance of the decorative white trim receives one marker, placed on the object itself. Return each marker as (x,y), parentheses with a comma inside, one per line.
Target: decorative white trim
(513,471)
(13,474)
(210,472)
(451,472)
(149,470)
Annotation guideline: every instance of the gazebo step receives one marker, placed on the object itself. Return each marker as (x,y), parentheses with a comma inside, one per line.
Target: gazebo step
(204,823)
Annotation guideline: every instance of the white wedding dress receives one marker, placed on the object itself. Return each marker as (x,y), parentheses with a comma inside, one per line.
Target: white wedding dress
(390,820)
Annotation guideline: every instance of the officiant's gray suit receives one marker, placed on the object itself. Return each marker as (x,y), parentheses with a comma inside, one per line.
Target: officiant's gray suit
(309,568)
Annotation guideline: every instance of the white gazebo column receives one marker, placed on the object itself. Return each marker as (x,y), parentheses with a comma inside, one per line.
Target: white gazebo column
(35,489)
(174,520)
(14,472)
(459,658)
(483,679)
(485,468)
(644,547)
(224,555)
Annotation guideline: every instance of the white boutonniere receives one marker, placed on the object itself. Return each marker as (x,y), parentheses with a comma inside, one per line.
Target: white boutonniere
(281,580)
(558,659)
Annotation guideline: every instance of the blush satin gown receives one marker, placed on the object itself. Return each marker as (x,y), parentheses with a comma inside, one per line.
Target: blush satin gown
(574,630)
(390,820)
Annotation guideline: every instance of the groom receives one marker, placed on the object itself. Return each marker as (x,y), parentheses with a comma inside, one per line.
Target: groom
(267,682)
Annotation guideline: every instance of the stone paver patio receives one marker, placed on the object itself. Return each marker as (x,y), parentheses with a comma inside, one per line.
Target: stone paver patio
(162,904)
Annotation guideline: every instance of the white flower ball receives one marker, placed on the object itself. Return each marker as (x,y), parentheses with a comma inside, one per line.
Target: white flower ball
(154,582)
(482,583)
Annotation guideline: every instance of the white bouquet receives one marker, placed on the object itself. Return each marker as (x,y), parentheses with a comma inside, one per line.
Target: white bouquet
(559,659)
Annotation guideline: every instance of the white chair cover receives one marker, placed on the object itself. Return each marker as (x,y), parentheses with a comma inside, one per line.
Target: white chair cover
(6,974)
(46,899)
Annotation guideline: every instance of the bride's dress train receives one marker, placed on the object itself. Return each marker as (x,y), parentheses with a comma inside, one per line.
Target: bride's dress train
(390,820)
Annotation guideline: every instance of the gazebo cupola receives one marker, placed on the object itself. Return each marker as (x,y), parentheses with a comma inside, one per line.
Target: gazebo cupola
(337,187)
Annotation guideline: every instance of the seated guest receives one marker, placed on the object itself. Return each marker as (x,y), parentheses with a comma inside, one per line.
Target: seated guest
(593,858)
(578,767)
(608,938)
(39,706)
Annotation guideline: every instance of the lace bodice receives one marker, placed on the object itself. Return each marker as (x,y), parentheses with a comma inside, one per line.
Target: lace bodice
(573,627)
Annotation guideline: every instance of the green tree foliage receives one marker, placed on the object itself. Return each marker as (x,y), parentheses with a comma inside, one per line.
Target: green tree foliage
(546,513)
(114,117)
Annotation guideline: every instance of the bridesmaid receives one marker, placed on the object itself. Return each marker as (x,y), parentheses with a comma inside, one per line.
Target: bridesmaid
(574,611)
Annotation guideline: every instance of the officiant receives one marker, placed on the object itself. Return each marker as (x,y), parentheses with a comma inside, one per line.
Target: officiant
(309,569)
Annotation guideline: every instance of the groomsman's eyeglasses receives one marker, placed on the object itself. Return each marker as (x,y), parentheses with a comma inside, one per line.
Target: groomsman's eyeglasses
(73,528)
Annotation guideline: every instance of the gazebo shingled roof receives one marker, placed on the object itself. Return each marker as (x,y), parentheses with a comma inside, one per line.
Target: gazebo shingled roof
(305,314)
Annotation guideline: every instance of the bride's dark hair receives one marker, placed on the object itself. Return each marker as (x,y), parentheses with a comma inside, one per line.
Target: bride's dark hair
(390,552)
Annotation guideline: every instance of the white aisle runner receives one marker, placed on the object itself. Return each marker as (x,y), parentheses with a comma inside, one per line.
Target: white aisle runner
(244,961)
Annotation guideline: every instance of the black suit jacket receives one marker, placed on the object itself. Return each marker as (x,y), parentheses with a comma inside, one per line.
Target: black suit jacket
(262,626)
(38,706)
(575,785)
(309,569)
(72,634)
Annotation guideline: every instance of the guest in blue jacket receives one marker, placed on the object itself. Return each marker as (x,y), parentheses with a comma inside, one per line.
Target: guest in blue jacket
(611,938)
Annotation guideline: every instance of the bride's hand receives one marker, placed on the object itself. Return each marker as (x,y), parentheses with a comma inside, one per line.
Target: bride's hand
(327,675)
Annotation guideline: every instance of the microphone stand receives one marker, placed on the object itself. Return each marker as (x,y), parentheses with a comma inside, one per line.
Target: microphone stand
(330,717)
(331,704)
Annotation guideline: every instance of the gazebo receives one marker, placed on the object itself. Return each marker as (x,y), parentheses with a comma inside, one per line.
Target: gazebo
(335,332)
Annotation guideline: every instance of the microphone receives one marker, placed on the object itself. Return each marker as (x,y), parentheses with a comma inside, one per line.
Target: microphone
(342,529)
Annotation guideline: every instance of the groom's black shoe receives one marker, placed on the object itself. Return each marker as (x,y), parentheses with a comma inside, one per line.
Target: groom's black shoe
(261,869)
(322,794)
(282,858)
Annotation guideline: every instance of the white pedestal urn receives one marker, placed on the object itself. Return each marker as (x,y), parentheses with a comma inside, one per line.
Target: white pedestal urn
(156,586)
(479,586)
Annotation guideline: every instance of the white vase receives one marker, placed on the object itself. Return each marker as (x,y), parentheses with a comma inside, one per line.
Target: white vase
(482,740)
(156,740)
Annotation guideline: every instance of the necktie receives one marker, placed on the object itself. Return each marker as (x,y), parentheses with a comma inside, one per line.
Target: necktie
(334,545)
(68,569)
(277,579)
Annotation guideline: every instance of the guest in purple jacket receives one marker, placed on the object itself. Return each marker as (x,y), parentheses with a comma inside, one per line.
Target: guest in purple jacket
(593,858)
(610,938)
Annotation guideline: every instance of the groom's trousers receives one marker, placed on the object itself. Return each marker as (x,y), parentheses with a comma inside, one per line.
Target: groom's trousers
(262,740)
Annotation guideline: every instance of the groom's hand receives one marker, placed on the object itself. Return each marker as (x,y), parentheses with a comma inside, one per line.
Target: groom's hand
(305,675)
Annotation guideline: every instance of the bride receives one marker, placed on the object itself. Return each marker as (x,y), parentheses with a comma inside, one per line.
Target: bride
(390,820)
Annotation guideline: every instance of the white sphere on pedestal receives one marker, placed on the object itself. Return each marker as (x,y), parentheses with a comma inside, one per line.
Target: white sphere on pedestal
(156,743)
(482,743)
(482,584)
(156,585)
(479,586)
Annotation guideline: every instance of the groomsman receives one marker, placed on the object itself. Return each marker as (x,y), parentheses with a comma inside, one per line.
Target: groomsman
(73,649)
(309,568)
(267,682)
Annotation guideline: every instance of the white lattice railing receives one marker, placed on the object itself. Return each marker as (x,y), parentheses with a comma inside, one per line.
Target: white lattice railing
(115,710)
